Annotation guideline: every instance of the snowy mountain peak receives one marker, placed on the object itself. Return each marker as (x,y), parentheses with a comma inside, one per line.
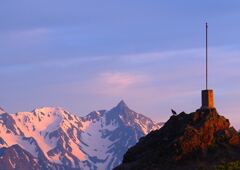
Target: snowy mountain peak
(95,115)
(56,110)
(122,104)
(53,112)
(2,111)
(121,110)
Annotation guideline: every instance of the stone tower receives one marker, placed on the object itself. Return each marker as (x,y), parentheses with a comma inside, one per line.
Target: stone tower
(207,99)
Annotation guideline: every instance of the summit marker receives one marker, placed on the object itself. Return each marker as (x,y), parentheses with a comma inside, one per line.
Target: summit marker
(207,94)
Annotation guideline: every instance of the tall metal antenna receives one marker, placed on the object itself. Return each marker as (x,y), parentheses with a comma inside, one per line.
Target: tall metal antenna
(206,55)
(207,95)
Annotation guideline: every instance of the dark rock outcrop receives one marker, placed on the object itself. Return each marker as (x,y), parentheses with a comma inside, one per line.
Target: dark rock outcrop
(199,140)
(15,157)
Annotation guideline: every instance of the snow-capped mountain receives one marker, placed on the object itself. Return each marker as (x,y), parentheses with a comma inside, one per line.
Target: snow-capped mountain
(52,138)
(1,111)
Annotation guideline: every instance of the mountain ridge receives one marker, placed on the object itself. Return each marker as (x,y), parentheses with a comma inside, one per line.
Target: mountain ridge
(61,138)
(2,110)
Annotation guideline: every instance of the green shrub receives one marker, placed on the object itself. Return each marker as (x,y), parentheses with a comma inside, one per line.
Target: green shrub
(228,166)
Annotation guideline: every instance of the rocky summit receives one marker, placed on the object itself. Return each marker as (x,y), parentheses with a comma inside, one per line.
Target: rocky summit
(199,140)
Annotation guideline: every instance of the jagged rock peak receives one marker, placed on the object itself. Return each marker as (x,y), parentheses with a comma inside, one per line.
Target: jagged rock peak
(122,104)
(94,115)
(121,109)
(186,141)
(56,111)
(2,111)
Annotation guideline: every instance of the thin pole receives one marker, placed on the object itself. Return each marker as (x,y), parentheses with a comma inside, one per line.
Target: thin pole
(206,56)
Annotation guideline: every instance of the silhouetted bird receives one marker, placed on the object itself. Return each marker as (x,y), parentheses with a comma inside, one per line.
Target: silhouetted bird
(173,112)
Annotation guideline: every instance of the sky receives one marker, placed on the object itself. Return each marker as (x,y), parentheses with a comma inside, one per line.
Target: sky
(89,55)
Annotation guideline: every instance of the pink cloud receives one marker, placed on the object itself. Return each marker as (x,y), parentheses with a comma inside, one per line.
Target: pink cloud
(121,80)
(117,83)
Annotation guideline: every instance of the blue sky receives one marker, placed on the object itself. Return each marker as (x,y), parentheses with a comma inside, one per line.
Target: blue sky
(85,56)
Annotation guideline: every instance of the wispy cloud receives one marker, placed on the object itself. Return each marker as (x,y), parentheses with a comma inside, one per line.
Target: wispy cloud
(29,33)
(121,79)
(26,37)
(116,83)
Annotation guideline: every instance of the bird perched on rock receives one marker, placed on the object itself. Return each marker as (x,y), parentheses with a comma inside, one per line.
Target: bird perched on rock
(173,112)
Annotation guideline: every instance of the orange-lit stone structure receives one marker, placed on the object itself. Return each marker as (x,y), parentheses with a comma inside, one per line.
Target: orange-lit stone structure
(207,99)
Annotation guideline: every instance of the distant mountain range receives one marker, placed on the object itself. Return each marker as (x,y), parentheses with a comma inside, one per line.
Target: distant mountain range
(52,138)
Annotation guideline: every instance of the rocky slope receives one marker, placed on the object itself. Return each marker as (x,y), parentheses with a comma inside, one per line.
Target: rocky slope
(53,138)
(14,157)
(199,140)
